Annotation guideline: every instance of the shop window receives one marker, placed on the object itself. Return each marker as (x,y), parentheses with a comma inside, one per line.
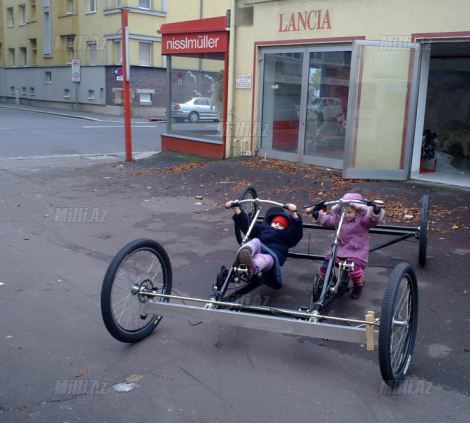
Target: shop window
(145,54)
(197,98)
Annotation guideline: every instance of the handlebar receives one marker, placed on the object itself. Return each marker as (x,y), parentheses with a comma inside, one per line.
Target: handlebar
(258,201)
(323,204)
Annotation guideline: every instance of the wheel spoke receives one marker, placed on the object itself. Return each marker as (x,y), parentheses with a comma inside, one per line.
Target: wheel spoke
(142,265)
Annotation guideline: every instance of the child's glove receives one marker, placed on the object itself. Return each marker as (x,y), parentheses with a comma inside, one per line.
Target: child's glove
(377,205)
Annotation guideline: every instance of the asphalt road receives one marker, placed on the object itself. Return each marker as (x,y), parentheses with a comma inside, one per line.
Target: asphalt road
(29,139)
(59,364)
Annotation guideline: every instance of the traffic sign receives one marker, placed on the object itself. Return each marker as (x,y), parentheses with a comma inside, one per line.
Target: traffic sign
(75,70)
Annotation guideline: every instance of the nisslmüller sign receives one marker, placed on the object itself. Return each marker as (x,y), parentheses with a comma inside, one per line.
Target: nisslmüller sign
(194,43)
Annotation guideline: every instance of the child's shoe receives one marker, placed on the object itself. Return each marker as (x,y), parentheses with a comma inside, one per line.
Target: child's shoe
(356,291)
(245,258)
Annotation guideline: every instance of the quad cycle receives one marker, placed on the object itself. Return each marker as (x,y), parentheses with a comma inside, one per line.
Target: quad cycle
(137,290)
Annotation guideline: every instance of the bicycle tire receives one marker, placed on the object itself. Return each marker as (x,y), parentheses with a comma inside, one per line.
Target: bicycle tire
(393,368)
(423,231)
(248,193)
(132,300)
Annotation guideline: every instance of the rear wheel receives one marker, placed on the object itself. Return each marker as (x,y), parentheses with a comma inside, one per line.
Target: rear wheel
(140,267)
(398,324)
(193,117)
(250,209)
(423,231)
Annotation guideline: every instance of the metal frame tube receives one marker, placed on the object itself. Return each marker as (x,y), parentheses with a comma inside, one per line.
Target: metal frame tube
(292,326)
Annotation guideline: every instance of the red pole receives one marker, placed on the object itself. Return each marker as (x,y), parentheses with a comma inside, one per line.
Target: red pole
(126,86)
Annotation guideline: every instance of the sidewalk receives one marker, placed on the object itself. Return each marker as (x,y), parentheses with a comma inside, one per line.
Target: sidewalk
(90,116)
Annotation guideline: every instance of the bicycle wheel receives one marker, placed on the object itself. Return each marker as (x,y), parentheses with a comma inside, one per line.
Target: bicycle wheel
(398,324)
(250,209)
(140,266)
(423,231)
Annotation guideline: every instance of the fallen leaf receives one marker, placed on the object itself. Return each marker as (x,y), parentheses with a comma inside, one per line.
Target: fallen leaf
(81,373)
(134,378)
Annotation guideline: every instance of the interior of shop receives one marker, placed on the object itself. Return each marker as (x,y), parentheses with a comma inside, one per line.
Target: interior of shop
(445,152)
(197,98)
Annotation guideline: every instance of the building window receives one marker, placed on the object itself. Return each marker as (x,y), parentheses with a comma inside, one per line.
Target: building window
(92,5)
(145,57)
(48,77)
(91,94)
(22,13)
(145,98)
(23,91)
(117,52)
(144,4)
(47,33)
(31,91)
(117,96)
(23,57)
(34,51)
(66,93)
(12,91)
(92,48)
(10,17)
(32,11)
(11,57)
(68,7)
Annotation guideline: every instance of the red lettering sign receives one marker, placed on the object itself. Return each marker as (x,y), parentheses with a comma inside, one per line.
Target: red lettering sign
(306,20)
(215,42)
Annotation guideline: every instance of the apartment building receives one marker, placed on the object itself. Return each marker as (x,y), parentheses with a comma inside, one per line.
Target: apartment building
(39,40)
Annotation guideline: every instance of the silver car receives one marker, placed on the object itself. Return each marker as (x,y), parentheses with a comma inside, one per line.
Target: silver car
(194,110)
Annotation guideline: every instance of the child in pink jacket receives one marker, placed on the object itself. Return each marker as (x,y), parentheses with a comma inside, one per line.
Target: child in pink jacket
(353,238)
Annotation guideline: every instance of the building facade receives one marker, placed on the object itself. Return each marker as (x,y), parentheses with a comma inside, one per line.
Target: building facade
(354,86)
(39,39)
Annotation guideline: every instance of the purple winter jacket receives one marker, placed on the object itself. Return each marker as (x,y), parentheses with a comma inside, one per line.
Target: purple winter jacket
(354,236)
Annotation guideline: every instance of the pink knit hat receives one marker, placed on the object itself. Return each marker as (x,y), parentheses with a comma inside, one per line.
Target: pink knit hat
(353,196)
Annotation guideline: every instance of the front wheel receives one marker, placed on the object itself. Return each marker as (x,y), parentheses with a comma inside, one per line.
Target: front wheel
(398,324)
(140,267)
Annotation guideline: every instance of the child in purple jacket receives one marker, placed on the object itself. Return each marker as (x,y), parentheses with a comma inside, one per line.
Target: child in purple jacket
(354,237)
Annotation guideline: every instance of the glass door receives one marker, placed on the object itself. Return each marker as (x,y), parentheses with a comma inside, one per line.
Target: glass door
(381,109)
(281,100)
(327,101)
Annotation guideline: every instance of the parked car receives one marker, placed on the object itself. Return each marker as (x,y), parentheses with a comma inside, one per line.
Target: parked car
(194,110)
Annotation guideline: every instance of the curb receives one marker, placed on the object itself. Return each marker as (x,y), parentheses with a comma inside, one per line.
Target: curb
(47,112)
